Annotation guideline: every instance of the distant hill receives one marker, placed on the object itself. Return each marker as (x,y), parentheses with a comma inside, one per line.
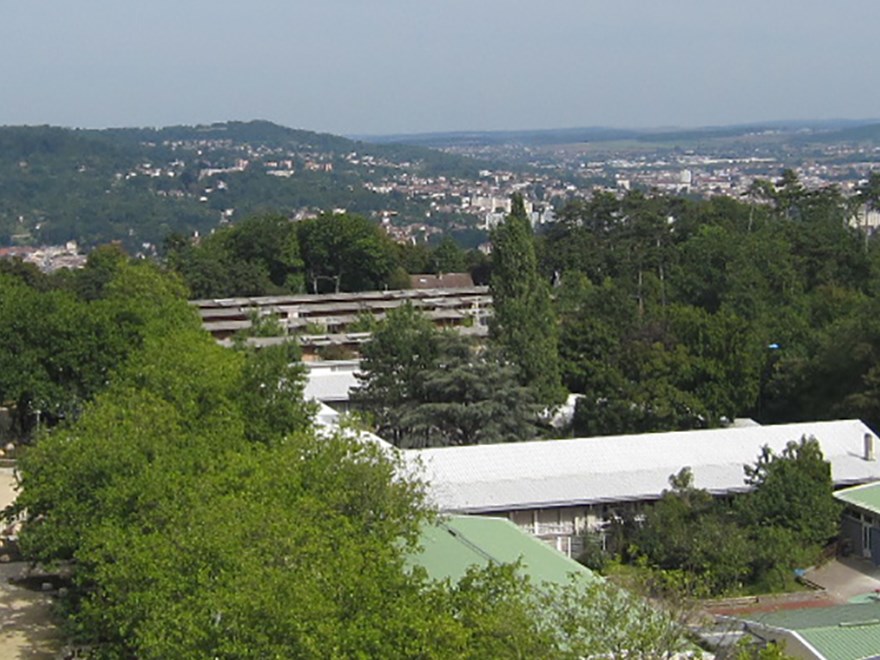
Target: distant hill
(835,129)
(493,138)
(137,185)
(853,134)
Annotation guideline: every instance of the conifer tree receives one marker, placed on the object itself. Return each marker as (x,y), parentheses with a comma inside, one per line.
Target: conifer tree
(524,326)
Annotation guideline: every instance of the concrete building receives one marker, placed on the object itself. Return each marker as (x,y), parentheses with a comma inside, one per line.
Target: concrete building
(333,313)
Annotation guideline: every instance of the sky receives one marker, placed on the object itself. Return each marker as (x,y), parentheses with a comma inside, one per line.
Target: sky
(360,67)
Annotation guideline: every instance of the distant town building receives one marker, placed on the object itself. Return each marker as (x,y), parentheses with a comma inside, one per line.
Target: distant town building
(48,258)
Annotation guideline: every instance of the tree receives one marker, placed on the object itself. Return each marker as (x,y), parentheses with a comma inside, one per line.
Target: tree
(60,350)
(392,365)
(689,530)
(258,256)
(793,490)
(523,325)
(471,398)
(869,196)
(448,257)
(193,530)
(346,250)
(273,380)
(190,535)
(755,542)
(788,194)
(427,387)
(194,507)
(597,619)
(723,355)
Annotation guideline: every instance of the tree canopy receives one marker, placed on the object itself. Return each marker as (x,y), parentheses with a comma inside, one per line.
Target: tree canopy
(199,514)
(346,252)
(675,313)
(754,543)
(427,387)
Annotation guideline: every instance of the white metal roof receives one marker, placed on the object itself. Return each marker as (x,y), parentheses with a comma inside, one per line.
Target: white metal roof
(552,473)
(330,384)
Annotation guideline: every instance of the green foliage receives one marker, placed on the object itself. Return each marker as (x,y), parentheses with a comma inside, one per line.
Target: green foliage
(597,619)
(347,251)
(495,609)
(688,530)
(680,299)
(196,507)
(593,555)
(393,362)
(425,387)
(259,256)
(793,490)
(470,398)
(754,543)
(59,350)
(448,257)
(101,266)
(523,325)
(262,325)
(272,385)
(769,651)
(365,322)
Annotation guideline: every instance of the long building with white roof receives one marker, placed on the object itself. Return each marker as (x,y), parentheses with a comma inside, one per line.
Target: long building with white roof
(559,488)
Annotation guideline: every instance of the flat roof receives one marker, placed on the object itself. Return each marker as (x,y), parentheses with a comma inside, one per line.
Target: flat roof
(307,298)
(624,468)
(330,384)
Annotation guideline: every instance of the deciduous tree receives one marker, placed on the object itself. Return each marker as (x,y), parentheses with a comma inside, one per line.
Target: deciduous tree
(348,251)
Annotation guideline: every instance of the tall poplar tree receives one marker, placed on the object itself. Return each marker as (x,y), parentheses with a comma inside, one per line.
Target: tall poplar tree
(524,326)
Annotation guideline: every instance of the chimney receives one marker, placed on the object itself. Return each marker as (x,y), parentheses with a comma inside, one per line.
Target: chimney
(869,447)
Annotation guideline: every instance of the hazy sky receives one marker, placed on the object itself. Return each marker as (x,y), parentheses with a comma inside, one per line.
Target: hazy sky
(395,66)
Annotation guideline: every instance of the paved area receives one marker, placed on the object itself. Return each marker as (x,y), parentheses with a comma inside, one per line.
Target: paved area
(27,630)
(845,578)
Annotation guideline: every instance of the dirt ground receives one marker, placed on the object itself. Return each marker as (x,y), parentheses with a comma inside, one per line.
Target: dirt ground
(27,630)
(7,483)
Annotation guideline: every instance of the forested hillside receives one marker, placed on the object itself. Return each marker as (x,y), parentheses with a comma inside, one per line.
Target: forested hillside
(137,186)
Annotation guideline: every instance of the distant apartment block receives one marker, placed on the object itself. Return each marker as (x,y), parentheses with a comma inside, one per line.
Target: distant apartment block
(323,320)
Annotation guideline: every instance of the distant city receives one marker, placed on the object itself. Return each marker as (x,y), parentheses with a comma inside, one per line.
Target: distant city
(191,180)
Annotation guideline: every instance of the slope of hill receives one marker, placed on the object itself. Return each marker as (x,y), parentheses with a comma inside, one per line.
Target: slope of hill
(137,185)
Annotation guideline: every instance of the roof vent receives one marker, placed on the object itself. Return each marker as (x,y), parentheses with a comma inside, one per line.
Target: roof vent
(869,447)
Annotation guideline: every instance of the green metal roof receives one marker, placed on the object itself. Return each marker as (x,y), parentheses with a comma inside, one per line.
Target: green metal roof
(844,632)
(844,644)
(455,543)
(865,497)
